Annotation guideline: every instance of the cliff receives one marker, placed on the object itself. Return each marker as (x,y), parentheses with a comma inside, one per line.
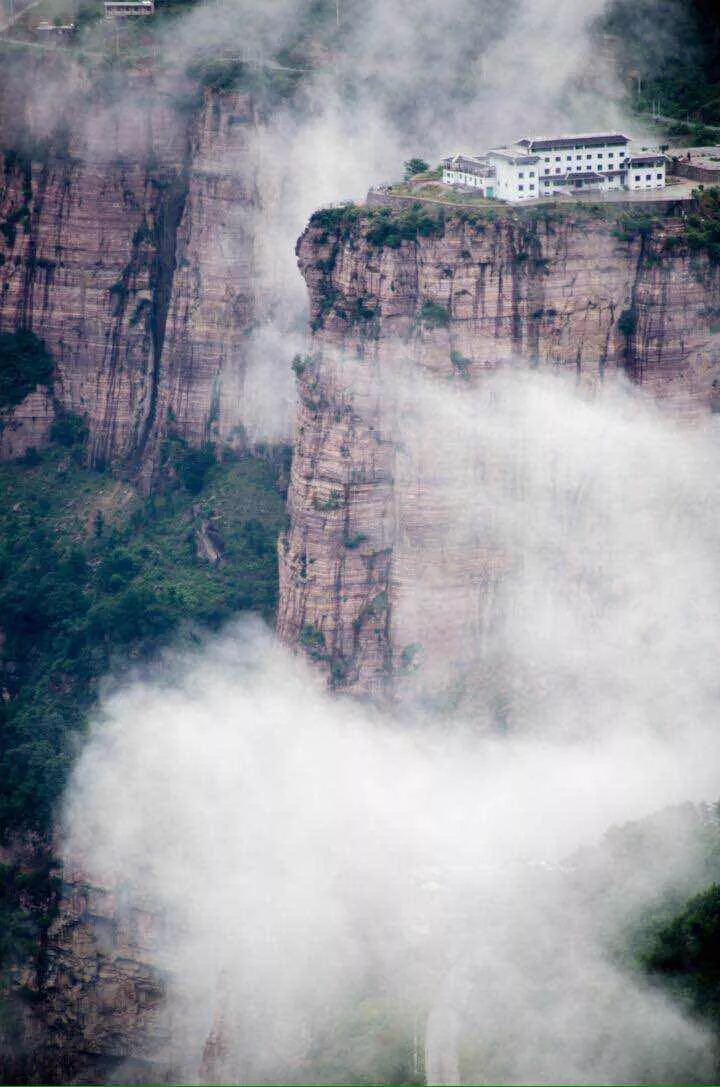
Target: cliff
(127,245)
(454,296)
(131,256)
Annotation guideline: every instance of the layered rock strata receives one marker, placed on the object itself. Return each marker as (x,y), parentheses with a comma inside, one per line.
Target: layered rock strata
(375,542)
(101,1012)
(130,254)
(128,247)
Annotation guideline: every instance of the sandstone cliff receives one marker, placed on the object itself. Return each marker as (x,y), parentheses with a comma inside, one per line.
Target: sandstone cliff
(370,542)
(127,244)
(130,254)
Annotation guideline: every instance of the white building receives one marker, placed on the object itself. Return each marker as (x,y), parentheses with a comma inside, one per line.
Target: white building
(121,9)
(476,173)
(517,174)
(646,171)
(596,161)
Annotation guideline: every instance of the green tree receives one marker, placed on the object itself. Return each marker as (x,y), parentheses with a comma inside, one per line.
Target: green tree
(415,166)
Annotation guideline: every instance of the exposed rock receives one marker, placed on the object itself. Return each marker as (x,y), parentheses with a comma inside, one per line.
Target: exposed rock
(208,542)
(576,290)
(101,1001)
(28,426)
(132,261)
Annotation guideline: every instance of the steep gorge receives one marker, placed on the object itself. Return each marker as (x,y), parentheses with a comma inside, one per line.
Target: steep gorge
(398,296)
(138,272)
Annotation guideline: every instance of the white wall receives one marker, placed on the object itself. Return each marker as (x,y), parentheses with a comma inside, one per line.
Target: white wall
(516,182)
(646,177)
(560,161)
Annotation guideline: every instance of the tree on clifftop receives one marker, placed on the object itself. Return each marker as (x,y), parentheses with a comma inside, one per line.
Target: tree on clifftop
(415,166)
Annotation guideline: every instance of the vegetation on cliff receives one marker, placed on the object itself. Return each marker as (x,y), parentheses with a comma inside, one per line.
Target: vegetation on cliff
(93,577)
(24,364)
(684,955)
(702,229)
(383,227)
(96,578)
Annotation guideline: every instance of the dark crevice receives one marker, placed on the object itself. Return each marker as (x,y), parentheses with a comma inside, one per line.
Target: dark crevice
(162,275)
(633,364)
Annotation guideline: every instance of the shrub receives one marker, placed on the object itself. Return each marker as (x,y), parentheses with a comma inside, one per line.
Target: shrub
(189,464)
(300,364)
(702,227)
(340,219)
(389,229)
(25,363)
(69,429)
(461,364)
(627,322)
(433,315)
(415,166)
(313,640)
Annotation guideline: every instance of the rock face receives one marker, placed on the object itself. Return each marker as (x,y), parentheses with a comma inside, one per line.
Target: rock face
(101,1015)
(131,257)
(589,292)
(130,253)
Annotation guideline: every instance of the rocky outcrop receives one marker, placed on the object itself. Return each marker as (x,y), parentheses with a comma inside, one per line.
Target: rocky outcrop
(453,297)
(81,984)
(100,1004)
(131,257)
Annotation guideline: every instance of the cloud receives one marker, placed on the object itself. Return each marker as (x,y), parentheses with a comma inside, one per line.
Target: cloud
(396,79)
(336,880)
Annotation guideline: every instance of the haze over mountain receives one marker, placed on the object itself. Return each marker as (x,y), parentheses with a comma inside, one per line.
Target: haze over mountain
(378,841)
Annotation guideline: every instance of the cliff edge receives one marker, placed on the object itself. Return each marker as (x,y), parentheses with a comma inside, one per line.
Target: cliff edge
(589,291)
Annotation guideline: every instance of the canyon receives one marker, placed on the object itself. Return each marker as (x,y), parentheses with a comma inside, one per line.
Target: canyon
(135,261)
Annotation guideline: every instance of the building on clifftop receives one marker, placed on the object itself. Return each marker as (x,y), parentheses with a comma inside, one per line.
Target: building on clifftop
(545,167)
(477,173)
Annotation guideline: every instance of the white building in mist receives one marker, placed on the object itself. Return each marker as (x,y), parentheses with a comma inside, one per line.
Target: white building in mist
(477,173)
(646,171)
(516,172)
(543,167)
(122,9)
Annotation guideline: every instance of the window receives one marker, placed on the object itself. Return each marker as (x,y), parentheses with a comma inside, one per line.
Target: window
(531,174)
(557,158)
(547,158)
(547,169)
(648,177)
(557,169)
(569,158)
(531,186)
(521,174)
(611,154)
(637,177)
(520,188)
(589,155)
(659,177)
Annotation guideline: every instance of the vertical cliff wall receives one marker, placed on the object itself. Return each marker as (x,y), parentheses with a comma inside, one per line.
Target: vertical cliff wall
(127,244)
(131,256)
(378,578)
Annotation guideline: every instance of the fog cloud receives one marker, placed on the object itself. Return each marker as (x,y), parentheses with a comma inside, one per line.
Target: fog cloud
(394,80)
(339,884)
